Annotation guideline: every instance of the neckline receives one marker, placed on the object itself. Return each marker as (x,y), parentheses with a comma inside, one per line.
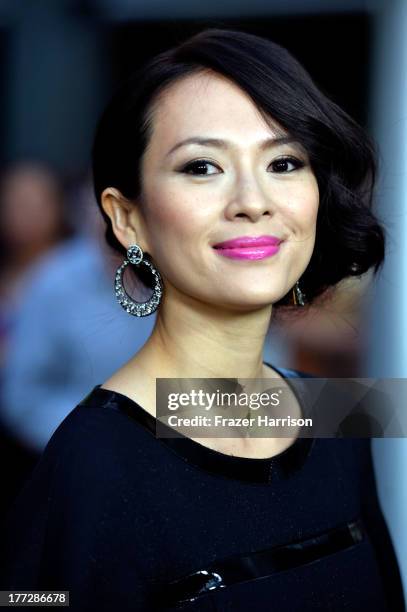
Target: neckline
(249,469)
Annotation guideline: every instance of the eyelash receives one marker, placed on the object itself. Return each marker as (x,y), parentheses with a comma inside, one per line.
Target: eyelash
(296,162)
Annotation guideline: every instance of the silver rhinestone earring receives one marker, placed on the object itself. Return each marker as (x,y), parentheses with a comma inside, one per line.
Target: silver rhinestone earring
(298,295)
(136,257)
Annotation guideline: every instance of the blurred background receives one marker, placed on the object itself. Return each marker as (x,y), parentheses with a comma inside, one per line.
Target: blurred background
(61,329)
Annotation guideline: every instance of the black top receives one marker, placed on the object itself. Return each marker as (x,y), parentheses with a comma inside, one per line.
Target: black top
(127,521)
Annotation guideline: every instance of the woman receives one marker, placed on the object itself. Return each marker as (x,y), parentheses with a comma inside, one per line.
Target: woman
(230,183)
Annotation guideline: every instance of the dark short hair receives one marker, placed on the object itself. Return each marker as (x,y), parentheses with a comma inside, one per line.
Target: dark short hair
(349,238)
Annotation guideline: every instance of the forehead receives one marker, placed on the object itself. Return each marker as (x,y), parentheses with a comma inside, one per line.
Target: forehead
(211,105)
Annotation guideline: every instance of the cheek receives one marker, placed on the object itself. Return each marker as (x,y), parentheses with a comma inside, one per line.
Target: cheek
(176,218)
(301,207)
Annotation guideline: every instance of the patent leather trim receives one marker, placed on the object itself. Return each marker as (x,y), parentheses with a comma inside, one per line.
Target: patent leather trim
(257,471)
(262,564)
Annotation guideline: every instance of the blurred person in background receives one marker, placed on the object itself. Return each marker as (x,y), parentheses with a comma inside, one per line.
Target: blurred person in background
(33,221)
(70,332)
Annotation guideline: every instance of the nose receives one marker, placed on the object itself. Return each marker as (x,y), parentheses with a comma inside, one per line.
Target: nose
(249,200)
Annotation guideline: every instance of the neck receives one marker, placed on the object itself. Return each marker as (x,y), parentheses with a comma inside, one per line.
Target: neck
(194,340)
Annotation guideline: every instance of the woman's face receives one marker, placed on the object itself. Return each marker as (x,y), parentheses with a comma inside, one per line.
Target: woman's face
(197,195)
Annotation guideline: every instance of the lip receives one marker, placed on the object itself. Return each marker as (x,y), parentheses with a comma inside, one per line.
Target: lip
(249,247)
(248,241)
(249,252)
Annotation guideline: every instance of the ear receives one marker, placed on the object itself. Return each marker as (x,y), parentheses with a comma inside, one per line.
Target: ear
(125,217)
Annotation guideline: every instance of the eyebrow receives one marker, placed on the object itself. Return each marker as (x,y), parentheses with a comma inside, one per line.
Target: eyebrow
(224,144)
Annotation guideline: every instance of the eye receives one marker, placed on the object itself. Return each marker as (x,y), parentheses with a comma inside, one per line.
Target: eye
(281,164)
(198,167)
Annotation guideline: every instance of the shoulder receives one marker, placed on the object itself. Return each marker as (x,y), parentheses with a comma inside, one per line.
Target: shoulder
(95,425)
(81,506)
(98,450)
(97,464)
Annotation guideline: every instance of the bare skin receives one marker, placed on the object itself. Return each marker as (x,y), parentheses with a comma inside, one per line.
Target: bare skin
(216,311)
(134,381)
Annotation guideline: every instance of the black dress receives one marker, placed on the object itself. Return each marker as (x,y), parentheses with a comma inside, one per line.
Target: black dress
(129,522)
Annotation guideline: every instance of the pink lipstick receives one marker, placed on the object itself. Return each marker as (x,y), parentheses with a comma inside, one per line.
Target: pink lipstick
(249,247)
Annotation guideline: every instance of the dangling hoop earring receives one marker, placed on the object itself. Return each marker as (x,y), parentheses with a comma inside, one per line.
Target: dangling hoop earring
(298,295)
(136,257)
